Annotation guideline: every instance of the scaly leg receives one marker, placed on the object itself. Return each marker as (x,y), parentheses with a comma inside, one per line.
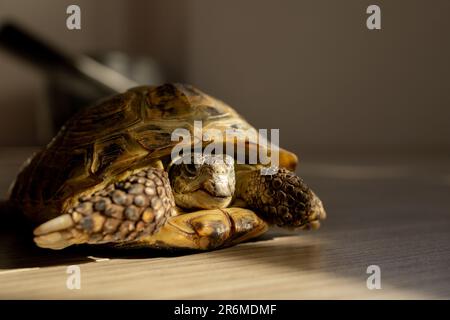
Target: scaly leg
(122,212)
(281,198)
(139,211)
(206,229)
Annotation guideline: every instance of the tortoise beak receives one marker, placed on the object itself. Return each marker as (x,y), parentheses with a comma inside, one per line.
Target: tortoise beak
(220,187)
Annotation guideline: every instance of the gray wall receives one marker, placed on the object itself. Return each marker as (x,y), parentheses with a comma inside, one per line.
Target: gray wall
(310,68)
(22,88)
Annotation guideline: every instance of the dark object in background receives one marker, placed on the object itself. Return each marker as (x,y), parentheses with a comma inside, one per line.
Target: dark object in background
(75,81)
(68,94)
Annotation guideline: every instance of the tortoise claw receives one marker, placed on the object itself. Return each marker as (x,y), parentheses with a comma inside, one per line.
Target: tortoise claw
(56,224)
(55,233)
(57,240)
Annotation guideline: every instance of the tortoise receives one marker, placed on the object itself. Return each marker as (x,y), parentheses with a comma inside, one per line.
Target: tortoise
(109,177)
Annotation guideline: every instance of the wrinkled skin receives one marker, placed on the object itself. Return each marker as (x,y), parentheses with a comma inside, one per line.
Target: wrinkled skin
(203,182)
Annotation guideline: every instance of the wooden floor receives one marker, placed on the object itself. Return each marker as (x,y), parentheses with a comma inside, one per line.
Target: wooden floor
(393,212)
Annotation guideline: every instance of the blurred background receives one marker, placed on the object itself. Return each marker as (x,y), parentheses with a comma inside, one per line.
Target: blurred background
(310,68)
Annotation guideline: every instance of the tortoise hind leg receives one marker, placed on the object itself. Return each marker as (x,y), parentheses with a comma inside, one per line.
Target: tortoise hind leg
(136,206)
(207,229)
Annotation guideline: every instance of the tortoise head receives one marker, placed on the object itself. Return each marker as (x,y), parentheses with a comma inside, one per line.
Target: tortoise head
(202,181)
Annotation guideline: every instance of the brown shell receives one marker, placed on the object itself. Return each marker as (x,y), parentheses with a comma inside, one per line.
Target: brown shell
(110,138)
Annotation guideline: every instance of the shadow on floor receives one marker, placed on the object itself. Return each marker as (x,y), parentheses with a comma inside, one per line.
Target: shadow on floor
(17,249)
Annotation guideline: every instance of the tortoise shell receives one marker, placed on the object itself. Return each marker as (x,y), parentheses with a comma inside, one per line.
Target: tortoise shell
(119,134)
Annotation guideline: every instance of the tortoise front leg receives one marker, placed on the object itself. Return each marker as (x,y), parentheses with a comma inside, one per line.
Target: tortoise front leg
(122,212)
(207,229)
(281,198)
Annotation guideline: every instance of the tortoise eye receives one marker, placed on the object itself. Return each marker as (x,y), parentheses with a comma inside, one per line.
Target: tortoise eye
(191,169)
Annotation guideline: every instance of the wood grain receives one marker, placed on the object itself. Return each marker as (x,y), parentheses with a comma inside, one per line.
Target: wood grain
(391,212)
